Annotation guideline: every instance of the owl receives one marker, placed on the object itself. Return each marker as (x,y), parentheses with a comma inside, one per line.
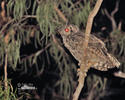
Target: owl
(97,53)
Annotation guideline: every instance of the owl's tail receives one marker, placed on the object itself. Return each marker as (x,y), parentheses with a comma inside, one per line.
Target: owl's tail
(108,63)
(114,61)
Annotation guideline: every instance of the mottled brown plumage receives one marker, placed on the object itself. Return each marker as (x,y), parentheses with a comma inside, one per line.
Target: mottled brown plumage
(97,53)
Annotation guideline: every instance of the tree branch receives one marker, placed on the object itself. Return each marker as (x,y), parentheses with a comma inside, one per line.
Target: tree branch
(5,76)
(84,66)
(111,17)
(119,74)
(3,15)
(120,25)
(116,9)
(89,24)
(36,54)
(60,14)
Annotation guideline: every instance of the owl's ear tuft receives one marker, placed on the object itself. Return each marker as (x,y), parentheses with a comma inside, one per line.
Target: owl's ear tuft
(74,28)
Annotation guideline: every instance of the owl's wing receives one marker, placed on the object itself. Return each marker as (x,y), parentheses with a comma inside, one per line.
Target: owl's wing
(79,38)
(104,59)
(94,41)
(95,45)
(96,51)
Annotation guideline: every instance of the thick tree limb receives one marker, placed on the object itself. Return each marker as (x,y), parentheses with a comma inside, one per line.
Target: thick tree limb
(89,24)
(84,66)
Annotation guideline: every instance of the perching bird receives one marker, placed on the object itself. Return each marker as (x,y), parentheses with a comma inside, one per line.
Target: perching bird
(97,53)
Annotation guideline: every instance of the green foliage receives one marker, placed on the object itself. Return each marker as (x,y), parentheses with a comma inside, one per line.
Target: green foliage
(2,49)
(18,7)
(45,16)
(118,40)
(80,16)
(13,50)
(92,80)
(65,68)
(8,94)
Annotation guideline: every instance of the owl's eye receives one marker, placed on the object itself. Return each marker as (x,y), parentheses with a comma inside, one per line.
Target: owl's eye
(66,30)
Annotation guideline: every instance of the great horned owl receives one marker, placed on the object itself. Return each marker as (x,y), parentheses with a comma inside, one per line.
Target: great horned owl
(97,53)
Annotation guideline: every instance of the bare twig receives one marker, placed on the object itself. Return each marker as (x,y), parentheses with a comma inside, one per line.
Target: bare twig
(5,72)
(116,9)
(75,4)
(5,75)
(5,26)
(60,13)
(119,74)
(3,15)
(84,66)
(26,17)
(120,25)
(36,54)
(111,17)
(58,45)
(92,93)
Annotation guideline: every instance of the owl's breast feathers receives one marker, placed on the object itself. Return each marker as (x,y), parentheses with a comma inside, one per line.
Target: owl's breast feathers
(96,51)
